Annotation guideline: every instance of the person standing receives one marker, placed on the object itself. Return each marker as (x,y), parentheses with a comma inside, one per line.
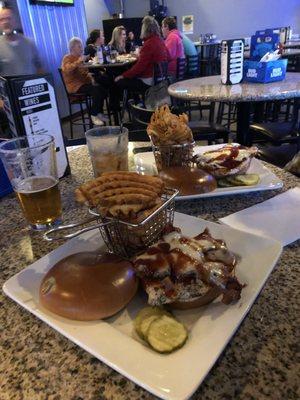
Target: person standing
(173,42)
(18,54)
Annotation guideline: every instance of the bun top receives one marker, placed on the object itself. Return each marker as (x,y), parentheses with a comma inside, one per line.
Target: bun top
(188,180)
(88,286)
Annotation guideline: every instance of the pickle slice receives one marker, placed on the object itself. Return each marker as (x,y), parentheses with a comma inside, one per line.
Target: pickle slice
(224,182)
(165,334)
(144,314)
(248,179)
(244,180)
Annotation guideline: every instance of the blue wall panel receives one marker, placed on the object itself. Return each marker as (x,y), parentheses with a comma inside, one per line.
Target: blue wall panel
(51,27)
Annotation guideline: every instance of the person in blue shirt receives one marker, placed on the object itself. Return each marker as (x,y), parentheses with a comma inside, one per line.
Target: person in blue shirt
(189,50)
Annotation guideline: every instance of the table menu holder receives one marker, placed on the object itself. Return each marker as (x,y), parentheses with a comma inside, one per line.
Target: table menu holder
(31,108)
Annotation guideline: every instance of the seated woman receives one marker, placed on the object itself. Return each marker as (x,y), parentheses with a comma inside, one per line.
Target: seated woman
(95,40)
(130,42)
(78,80)
(173,41)
(140,76)
(118,40)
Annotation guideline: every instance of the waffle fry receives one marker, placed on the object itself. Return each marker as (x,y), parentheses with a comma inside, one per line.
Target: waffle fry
(124,195)
(166,128)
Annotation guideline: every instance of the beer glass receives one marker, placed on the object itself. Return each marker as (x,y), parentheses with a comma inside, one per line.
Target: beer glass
(108,148)
(30,163)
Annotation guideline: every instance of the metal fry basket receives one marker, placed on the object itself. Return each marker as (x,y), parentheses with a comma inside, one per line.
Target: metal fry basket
(176,155)
(124,238)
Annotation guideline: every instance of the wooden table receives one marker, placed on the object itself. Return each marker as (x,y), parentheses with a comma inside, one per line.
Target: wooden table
(38,363)
(211,89)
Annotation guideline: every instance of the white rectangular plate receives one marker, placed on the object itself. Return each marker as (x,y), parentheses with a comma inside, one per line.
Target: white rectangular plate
(145,164)
(175,376)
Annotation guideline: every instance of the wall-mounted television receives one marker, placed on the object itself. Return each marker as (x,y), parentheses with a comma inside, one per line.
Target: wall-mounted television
(53,2)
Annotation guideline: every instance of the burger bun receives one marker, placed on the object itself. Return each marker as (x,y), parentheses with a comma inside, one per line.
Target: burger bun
(88,286)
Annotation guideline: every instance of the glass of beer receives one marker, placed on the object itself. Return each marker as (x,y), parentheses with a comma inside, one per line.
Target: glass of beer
(30,163)
(108,148)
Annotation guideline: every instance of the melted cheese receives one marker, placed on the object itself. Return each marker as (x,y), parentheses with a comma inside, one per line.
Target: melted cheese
(187,246)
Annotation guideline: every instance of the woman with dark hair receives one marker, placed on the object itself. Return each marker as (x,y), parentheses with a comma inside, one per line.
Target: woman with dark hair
(95,40)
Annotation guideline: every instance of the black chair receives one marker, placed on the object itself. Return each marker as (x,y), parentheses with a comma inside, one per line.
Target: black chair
(84,102)
(181,69)
(192,66)
(210,59)
(226,114)
(160,72)
(278,133)
(206,131)
(140,120)
(209,130)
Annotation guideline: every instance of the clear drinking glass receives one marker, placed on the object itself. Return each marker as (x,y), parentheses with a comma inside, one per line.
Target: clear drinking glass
(113,56)
(30,163)
(108,148)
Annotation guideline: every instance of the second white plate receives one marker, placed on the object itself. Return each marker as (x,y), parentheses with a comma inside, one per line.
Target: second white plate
(145,164)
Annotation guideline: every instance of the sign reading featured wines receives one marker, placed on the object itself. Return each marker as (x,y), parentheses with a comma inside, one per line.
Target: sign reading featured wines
(35,112)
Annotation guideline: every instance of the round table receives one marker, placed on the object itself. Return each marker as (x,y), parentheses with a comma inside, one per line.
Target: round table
(112,69)
(210,88)
(38,363)
(110,65)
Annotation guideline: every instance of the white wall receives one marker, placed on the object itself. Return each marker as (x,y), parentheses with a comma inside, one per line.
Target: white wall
(227,18)
(96,11)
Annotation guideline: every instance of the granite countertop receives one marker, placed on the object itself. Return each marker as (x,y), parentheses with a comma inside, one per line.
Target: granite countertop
(210,88)
(38,363)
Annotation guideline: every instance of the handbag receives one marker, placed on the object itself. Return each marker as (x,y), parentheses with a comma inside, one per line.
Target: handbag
(157,95)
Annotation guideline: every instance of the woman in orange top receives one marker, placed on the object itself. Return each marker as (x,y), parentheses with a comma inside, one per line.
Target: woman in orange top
(79,80)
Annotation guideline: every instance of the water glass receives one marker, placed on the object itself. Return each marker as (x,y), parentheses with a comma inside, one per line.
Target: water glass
(108,149)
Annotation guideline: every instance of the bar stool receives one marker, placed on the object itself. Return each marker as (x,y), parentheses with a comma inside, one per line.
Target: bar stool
(181,69)
(278,133)
(82,100)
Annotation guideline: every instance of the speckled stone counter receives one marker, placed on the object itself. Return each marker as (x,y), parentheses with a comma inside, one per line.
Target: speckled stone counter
(37,363)
(210,88)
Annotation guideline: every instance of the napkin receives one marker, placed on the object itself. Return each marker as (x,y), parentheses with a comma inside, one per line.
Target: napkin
(277,218)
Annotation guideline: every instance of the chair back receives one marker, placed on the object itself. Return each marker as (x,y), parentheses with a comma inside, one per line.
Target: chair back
(140,116)
(160,71)
(192,66)
(140,119)
(181,69)
(63,81)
